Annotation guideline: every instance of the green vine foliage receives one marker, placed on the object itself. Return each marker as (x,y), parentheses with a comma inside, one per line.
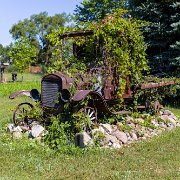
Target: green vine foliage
(62,59)
(124,45)
(117,41)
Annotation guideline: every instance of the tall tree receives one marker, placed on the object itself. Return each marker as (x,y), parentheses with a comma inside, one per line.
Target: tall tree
(158,33)
(94,10)
(176,33)
(23,54)
(36,29)
(1,49)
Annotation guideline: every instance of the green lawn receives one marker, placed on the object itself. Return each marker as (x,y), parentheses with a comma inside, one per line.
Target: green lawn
(156,158)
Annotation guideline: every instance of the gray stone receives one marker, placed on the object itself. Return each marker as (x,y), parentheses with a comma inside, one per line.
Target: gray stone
(116,146)
(83,139)
(167,112)
(107,127)
(18,128)
(147,135)
(178,125)
(173,117)
(164,117)
(163,125)
(24,128)
(155,123)
(111,139)
(121,136)
(143,138)
(158,131)
(161,113)
(97,130)
(127,134)
(149,129)
(172,121)
(154,134)
(134,136)
(34,123)
(10,128)
(37,130)
(170,128)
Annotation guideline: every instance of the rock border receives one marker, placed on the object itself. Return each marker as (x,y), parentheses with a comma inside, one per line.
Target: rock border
(129,131)
(106,135)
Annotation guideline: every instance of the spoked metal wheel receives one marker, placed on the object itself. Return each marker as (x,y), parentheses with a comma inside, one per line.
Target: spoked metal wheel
(20,115)
(91,116)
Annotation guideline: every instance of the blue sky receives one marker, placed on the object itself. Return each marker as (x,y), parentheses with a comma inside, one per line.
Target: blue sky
(12,11)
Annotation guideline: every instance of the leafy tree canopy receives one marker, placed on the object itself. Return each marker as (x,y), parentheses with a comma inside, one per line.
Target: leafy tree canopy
(1,49)
(23,54)
(36,29)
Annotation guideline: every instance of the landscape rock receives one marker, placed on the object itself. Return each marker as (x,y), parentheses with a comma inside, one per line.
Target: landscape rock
(173,117)
(178,125)
(10,128)
(121,136)
(116,146)
(107,127)
(83,139)
(25,128)
(112,139)
(37,131)
(108,136)
(163,125)
(167,112)
(172,121)
(164,117)
(96,130)
(170,128)
(134,136)
(155,123)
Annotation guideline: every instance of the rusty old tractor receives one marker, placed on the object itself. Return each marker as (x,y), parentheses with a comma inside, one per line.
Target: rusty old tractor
(100,96)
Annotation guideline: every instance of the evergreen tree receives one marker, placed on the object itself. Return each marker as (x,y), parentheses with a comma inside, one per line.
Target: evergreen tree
(176,33)
(95,10)
(158,33)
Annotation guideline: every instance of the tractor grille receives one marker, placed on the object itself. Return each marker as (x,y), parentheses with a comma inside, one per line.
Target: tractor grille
(49,93)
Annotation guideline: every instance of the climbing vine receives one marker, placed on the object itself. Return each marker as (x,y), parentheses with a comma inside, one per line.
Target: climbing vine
(116,42)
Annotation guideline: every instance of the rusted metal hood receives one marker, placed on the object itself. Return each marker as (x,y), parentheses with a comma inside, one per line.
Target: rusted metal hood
(66,80)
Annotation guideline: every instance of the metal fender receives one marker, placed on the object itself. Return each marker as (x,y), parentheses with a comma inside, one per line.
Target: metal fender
(20,93)
(82,94)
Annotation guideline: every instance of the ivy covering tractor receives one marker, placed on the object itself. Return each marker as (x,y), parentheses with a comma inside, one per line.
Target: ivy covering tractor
(100,87)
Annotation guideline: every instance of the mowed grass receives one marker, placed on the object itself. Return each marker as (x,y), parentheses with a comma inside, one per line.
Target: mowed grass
(156,158)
